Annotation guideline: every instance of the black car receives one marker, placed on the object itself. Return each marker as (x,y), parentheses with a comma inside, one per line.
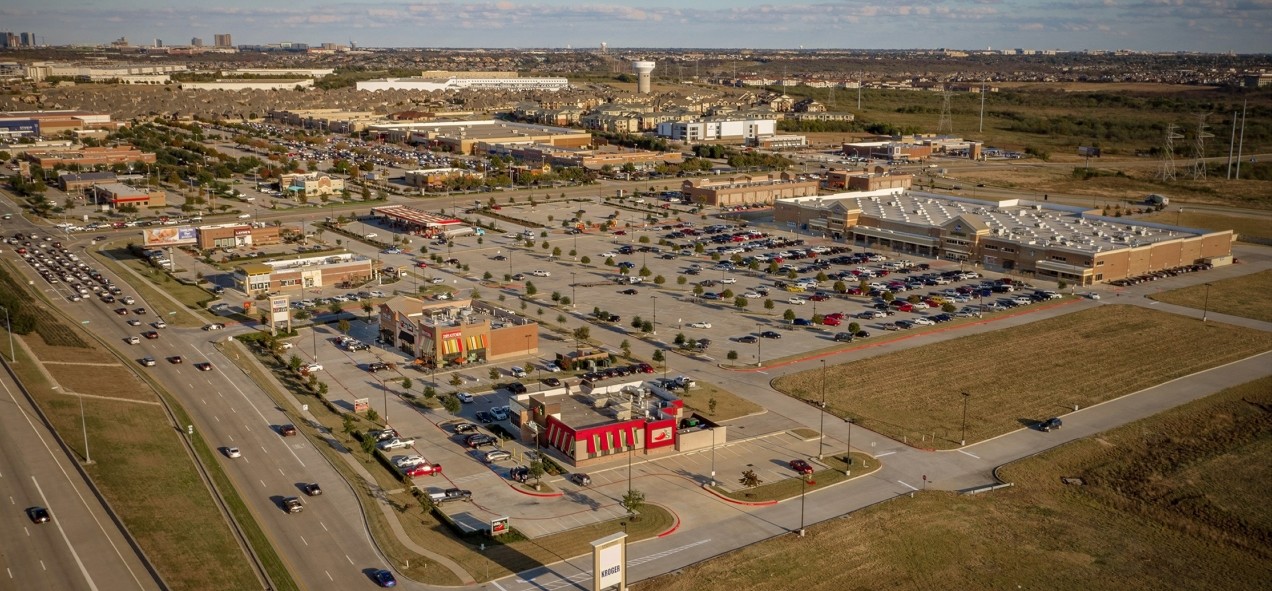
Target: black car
(771,334)
(312,489)
(377,366)
(843,337)
(479,440)
(519,474)
(516,388)
(1050,424)
(38,514)
(748,339)
(484,417)
(861,334)
(551,382)
(466,428)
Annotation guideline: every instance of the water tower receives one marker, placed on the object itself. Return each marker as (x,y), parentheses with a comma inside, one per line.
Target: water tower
(642,69)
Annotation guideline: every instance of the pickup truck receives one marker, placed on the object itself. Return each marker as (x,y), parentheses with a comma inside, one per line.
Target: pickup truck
(451,494)
(396,443)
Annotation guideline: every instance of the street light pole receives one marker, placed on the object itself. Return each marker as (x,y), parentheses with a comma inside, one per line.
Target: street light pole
(1205,310)
(848,460)
(88,457)
(759,348)
(9,329)
(966,397)
(803,489)
(821,438)
(573,297)
(655,319)
(713,446)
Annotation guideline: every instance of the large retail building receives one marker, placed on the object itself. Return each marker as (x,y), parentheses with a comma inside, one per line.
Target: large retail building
(452,333)
(1032,238)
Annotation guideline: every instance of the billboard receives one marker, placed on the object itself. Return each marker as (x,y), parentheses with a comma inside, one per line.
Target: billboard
(1088,151)
(361,404)
(168,236)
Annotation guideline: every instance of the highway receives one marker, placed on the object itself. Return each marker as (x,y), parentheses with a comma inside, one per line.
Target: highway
(80,548)
(325,546)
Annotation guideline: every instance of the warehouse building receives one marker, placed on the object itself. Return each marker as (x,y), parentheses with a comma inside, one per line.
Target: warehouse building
(85,157)
(1032,238)
(79,181)
(717,129)
(462,137)
(116,195)
(236,84)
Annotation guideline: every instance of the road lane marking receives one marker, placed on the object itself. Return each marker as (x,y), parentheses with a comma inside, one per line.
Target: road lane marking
(80,563)
(42,565)
(218,419)
(204,401)
(349,559)
(908,486)
(233,410)
(263,483)
(328,575)
(280,471)
(497,585)
(258,411)
(302,538)
(28,532)
(969,454)
(231,437)
(10,571)
(886,453)
(324,526)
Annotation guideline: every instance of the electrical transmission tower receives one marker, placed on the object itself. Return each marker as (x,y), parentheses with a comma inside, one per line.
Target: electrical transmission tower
(1167,170)
(1199,148)
(946,124)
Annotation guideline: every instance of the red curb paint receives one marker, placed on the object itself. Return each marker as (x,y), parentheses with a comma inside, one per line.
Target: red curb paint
(674,527)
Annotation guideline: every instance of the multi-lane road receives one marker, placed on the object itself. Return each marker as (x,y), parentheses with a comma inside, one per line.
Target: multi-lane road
(81,547)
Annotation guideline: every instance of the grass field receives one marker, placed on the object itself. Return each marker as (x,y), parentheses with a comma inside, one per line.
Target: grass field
(1176,501)
(728,405)
(140,466)
(836,471)
(1090,356)
(1252,226)
(1249,296)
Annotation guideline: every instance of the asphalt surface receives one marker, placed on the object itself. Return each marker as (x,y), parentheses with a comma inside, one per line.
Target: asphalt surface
(81,547)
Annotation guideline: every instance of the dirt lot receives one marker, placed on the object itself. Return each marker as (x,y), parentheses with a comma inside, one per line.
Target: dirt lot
(1248,297)
(1171,502)
(1092,356)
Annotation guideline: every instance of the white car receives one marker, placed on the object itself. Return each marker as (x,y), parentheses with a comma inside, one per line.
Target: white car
(214,326)
(922,320)
(797,301)
(233,452)
(608,255)
(500,413)
(729,280)
(311,367)
(401,461)
(551,367)
(752,295)
(699,325)
(517,372)
(541,273)
(1091,295)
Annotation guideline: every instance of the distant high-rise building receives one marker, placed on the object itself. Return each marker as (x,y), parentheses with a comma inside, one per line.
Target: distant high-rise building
(28,40)
(223,40)
(196,42)
(158,42)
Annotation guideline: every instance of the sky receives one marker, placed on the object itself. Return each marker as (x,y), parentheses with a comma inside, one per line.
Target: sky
(1242,26)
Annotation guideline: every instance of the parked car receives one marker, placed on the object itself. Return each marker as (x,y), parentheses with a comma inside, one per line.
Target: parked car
(464,397)
(501,413)
(451,494)
(771,334)
(699,325)
(517,371)
(479,440)
(465,427)
(485,417)
(581,479)
(496,456)
(749,339)
(801,467)
(843,337)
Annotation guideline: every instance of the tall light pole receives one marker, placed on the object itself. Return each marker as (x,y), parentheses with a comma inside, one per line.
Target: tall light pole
(759,342)
(966,397)
(9,329)
(713,446)
(385,392)
(1205,312)
(803,489)
(655,319)
(821,438)
(848,460)
(573,297)
(88,457)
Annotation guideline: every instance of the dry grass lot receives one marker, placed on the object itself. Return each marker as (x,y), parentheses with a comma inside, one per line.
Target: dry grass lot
(1255,226)
(96,380)
(1176,501)
(728,405)
(1248,297)
(140,466)
(1022,374)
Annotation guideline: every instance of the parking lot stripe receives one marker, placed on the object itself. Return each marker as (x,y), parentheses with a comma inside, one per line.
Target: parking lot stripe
(907,486)
(968,454)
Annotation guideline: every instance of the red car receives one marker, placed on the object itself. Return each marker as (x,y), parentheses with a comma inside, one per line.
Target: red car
(425,470)
(830,321)
(801,467)
(646,368)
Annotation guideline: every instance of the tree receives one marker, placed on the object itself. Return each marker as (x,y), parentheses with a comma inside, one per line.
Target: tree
(853,327)
(368,444)
(581,334)
(681,280)
(750,479)
(343,325)
(731,356)
(740,302)
(680,339)
(948,308)
(788,315)
(294,362)
(406,384)
(646,326)
(888,297)
(556,252)
(531,289)
(711,405)
(367,308)
(840,287)
(768,304)
(335,308)
(372,415)
(658,356)
(726,294)
(565,300)
(633,501)
(645,272)
(494,373)
(451,404)
(536,472)
(626,347)
(455,380)
(430,392)
(586,260)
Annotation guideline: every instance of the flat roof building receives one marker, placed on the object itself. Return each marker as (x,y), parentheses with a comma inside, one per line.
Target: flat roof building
(451,82)
(420,222)
(463,136)
(237,236)
(117,195)
(293,275)
(718,129)
(234,84)
(79,181)
(1016,235)
(762,189)
(81,156)
(454,333)
(311,183)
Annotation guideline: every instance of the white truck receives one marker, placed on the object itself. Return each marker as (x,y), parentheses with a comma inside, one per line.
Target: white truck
(396,443)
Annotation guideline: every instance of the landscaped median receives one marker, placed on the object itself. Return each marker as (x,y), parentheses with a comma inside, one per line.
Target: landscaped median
(827,471)
(1017,376)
